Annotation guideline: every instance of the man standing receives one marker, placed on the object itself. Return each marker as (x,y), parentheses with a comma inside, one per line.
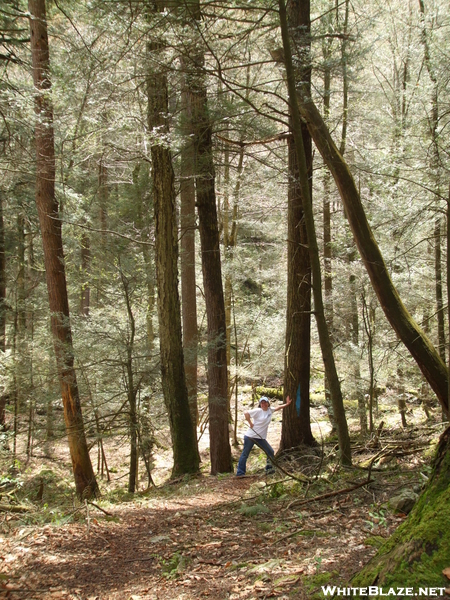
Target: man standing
(258,420)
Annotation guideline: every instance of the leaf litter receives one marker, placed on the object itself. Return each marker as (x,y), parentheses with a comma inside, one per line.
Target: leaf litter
(215,537)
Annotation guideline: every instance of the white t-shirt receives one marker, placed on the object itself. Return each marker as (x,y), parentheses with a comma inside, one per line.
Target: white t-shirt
(261,420)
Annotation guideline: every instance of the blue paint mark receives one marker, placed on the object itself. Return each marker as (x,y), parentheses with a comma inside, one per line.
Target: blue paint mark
(298,401)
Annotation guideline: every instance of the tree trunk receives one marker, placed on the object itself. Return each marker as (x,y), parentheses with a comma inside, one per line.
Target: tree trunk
(327,253)
(418,550)
(220,449)
(325,342)
(20,343)
(420,347)
(50,225)
(296,426)
(188,277)
(447,411)
(435,164)
(144,203)
(2,279)
(131,390)
(229,244)
(185,450)
(85,297)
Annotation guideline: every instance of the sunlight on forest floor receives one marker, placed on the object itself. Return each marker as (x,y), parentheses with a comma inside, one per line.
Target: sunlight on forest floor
(217,537)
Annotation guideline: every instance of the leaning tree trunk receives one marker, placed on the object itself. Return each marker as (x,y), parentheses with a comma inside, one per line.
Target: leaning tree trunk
(419,549)
(436,165)
(420,347)
(324,338)
(50,224)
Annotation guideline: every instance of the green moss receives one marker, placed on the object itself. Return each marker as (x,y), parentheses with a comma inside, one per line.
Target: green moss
(376,541)
(313,533)
(351,404)
(253,511)
(419,549)
(313,584)
(270,392)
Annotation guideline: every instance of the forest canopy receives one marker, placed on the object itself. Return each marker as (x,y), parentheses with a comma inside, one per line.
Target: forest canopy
(150,203)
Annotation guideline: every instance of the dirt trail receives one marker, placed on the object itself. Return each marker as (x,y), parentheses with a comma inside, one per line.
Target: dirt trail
(204,541)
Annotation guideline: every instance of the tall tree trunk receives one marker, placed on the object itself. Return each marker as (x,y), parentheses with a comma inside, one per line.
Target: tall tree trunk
(296,426)
(2,278)
(420,347)
(435,163)
(220,449)
(131,391)
(103,197)
(50,225)
(327,253)
(447,412)
(344,59)
(185,450)
(85,297)
(20,318)
(188,276)
(325,342)
(230,222)
(144,202)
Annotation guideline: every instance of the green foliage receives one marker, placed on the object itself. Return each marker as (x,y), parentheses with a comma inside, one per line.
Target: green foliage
(277,490)
(376,541)
(99,68)
(173,566)
(313,583)
(377,518)
(270,392)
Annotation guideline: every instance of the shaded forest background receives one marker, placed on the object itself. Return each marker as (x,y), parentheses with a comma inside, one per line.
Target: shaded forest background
(379,75)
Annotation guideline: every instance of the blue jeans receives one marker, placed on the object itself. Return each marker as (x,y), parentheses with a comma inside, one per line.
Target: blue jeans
(248,445)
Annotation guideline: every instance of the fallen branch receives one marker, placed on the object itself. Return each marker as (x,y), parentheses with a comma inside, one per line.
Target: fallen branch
(16,508)
(330,494)
(102,509)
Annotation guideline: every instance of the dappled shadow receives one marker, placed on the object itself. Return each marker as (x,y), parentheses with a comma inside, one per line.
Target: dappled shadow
(193,546)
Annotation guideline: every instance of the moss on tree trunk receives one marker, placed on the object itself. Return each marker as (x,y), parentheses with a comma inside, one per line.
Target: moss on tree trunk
(418,551)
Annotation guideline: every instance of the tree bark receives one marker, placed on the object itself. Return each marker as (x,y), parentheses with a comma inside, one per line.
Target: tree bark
(132,391)
(220,449)
(327,253)
(296,425)
(187,262)
(85,296)
(185,450)
(325,342)
(50,224)
(2,278)
(420,347)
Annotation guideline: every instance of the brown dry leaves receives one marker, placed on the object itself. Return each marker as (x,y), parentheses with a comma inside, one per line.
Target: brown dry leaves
(193,547)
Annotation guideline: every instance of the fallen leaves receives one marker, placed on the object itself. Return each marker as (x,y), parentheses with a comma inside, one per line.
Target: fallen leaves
(200,550)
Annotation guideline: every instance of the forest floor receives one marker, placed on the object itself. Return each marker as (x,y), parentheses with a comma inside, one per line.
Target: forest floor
(216,537)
